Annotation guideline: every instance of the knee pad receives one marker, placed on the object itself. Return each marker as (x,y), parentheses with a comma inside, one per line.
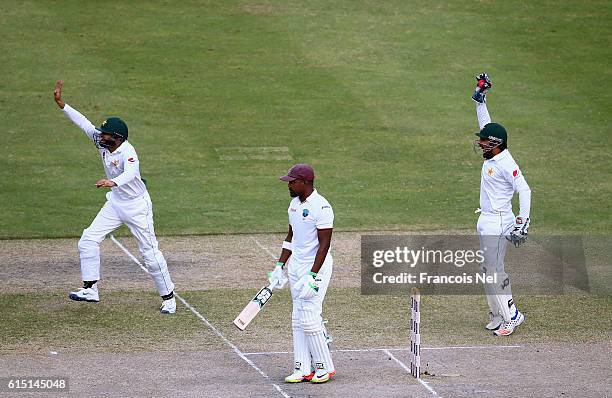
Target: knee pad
(87,246)
(311,322)
(154,261)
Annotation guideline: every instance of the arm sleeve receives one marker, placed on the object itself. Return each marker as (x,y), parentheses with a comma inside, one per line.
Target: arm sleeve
(81,121)
(130,170)
(326,218)
(519,183)
(483,114)
(524,193)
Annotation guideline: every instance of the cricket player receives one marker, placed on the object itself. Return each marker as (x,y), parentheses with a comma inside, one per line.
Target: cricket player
(306,252)
(500,179)
(127,202)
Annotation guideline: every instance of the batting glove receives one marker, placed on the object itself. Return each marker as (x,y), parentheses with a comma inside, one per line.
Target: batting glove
(483,83)
(518,235)
(310,286)
(278,275)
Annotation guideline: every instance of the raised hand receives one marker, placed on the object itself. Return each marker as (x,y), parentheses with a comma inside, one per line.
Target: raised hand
(483,84)
(57,94)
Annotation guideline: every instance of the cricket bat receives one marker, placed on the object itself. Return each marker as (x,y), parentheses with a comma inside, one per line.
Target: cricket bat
(255,306)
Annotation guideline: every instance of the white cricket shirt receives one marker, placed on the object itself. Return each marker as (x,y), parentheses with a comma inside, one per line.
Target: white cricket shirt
(120,166)
(305,218)
(501,178)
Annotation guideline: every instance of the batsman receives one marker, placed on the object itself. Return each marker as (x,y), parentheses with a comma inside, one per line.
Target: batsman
(306,254)
(500,179)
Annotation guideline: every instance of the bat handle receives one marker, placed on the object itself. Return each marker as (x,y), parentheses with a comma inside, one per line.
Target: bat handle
(275,283)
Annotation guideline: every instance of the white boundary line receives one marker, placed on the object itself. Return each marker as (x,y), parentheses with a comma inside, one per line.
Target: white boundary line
(482,347)
(407,369)
(210,325)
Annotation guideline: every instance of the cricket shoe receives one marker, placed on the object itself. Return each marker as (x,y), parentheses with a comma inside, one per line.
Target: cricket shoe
(83,294)
(168,306)
(322,376)
(495,323)
(507,328)
(298,377)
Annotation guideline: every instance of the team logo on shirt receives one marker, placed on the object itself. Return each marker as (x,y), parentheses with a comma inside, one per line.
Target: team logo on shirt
(305,213)
(131,160)
(515,173)
(490,171)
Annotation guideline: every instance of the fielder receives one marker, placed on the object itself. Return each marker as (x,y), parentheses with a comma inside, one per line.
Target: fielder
(309,266)
(127,202)
(500,179)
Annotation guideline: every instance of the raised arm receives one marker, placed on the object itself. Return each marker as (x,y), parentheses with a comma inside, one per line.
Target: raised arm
(81,121)
(479,97)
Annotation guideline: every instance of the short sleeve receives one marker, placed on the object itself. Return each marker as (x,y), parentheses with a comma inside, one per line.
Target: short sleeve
(325,219)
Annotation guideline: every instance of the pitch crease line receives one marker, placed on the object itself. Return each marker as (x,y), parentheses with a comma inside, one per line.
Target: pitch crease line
(263,247)
(210,325)
(407,369)
(482,347)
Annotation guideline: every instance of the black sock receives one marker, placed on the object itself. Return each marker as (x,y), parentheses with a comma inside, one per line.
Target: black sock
(168,296)
(88,284)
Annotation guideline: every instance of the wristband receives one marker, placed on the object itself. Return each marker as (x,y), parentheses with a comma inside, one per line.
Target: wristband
(280,264)
(286,245)
(313,274)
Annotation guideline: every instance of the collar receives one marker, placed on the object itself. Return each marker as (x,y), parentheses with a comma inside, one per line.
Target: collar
(502,155)
(119,149)
(310,197)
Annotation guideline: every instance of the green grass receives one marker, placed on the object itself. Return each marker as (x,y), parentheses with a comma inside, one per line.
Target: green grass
(374,94)
(129,321)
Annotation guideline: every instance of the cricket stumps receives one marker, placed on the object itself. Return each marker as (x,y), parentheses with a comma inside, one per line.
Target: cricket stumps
(415,333)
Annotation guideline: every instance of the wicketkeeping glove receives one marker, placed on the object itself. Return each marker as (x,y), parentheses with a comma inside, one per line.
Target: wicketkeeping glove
(518,235)
(278,274)
(483,83)
(309,285)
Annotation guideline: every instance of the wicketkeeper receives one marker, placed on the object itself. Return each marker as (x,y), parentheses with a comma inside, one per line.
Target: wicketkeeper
(306,252)
(497,224)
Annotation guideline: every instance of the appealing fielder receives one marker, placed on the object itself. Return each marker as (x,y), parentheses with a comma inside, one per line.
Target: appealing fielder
(309,266)
(127,202)
(500,179)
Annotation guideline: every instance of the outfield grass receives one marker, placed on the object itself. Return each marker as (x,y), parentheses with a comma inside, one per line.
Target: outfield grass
(374,94)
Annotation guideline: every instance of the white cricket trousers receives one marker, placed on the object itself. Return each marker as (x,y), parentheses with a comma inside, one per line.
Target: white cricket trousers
(137,214)
(309,340)
(492,231)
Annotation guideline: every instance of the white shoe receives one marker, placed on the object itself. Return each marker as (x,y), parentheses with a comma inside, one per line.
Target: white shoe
(168,306)
(89,294)
(496,322)
(507,328)
(298,377)
(322,376)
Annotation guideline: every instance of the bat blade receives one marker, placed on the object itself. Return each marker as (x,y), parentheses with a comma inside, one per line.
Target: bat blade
(254,306)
